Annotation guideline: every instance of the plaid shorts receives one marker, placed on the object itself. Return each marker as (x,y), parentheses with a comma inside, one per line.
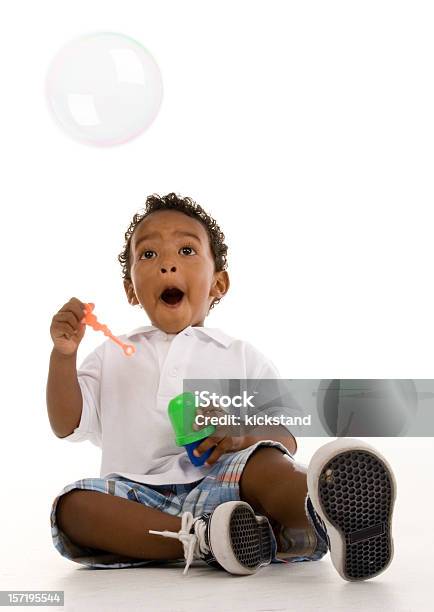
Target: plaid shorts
(220,485)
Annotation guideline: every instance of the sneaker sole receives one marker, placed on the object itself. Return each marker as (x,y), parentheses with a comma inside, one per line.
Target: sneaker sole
(353,489)
(241,542)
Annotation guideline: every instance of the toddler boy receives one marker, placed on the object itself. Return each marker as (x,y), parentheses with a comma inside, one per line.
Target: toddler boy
(250,505)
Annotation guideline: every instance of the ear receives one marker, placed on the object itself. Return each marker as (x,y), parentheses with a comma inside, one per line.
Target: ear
(130,293)
(220,285)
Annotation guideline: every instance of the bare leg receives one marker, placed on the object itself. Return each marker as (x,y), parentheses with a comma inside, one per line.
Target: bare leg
(276,487)
(114,524)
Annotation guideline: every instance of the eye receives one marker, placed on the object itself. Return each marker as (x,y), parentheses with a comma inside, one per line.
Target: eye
(188,248)
(144,255)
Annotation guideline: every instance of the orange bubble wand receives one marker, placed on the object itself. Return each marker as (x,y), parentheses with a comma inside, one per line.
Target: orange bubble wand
(91,320)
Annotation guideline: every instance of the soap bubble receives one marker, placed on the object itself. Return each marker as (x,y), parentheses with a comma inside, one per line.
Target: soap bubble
(104,89)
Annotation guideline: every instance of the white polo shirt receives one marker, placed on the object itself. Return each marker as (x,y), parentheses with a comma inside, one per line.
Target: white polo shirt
(125,399)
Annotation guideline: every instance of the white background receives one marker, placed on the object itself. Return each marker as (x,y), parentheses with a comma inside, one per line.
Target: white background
(306,129)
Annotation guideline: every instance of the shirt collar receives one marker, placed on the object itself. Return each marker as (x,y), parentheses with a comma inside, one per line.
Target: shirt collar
(212,332)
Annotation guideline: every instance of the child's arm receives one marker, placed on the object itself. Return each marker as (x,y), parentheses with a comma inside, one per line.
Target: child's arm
(227,444)
(64,399)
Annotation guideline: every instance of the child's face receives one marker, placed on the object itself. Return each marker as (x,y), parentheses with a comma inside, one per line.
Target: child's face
(161,258)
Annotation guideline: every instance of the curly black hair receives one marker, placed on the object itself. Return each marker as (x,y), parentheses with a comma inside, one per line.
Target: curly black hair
(189,207)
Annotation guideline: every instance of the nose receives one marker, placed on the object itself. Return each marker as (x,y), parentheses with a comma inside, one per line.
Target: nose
(165,268)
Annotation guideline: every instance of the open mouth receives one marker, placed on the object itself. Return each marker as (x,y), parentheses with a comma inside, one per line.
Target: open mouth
(172,296)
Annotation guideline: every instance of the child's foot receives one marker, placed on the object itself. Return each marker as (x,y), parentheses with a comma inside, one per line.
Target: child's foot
(231,537)
(353,489)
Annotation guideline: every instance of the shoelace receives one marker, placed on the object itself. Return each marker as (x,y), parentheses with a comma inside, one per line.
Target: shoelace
(194,543)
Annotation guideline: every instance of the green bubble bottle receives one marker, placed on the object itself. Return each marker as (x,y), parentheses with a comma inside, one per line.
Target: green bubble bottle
(182,412)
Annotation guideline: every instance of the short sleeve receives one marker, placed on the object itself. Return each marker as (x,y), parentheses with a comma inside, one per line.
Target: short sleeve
(89,379)
(272,395)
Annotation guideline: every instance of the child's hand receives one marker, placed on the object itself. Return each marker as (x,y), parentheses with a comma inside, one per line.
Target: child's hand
(223,444)
(67,329)
(222,438)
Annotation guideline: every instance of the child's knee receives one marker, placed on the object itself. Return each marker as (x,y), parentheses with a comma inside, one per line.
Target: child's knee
(69,509)
(264,455)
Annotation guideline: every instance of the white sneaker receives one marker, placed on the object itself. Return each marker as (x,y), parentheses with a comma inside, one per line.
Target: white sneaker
(231,537)
(353,489)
